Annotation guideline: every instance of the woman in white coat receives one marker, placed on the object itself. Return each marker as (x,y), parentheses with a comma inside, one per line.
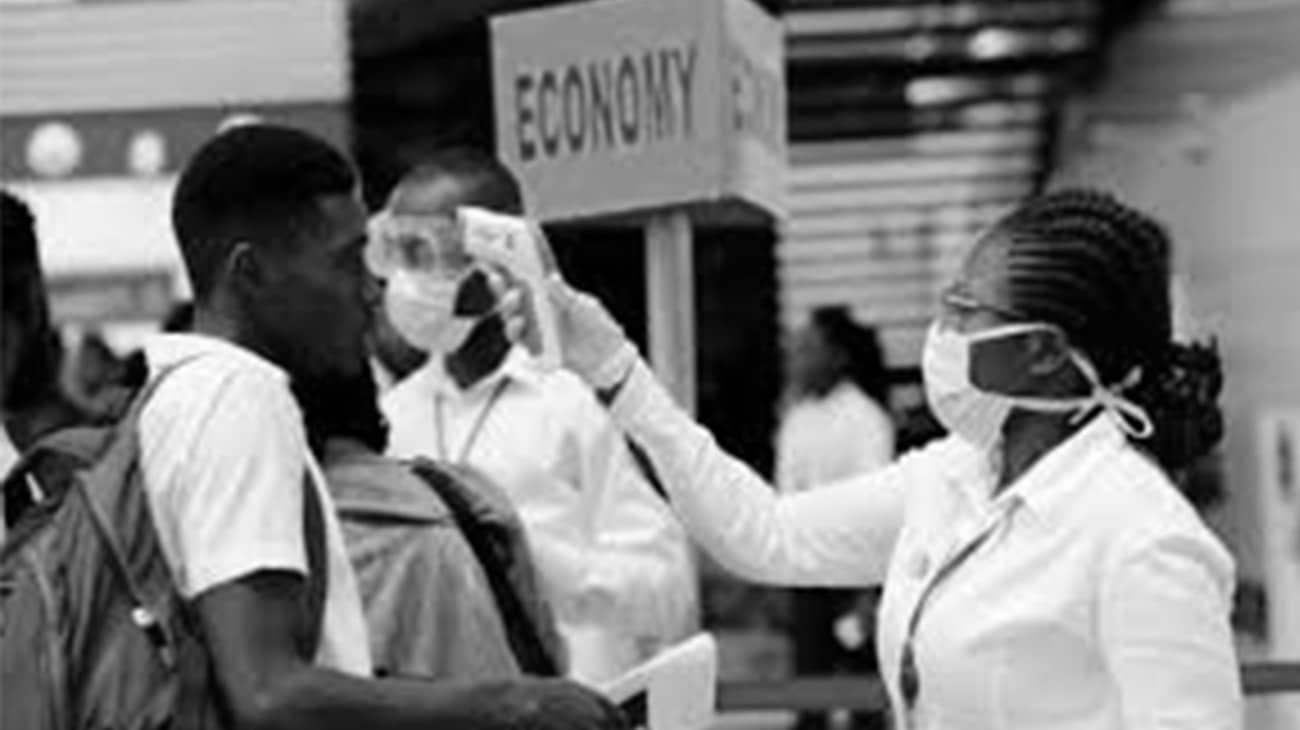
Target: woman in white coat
(1040,569)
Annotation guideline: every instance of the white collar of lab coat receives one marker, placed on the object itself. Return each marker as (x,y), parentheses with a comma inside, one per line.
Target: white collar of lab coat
(1049,484)
(518,366)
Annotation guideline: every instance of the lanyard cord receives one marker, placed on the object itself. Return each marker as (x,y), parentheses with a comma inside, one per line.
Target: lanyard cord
(909,680)
(474,431)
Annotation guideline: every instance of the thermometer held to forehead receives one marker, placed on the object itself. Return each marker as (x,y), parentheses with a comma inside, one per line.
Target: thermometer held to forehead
(518,246)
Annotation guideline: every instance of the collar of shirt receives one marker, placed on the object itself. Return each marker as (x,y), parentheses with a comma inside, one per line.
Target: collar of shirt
(1049,483)
(518,366)
(163,351)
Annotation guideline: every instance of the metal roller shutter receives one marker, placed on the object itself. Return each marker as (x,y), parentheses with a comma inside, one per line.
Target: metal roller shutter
(879,225)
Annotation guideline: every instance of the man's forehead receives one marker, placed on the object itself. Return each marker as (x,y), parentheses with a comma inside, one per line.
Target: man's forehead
(344,211)
(436,196)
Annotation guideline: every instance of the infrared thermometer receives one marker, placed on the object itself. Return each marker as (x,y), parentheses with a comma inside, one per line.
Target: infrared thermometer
(517,246)
(676,690)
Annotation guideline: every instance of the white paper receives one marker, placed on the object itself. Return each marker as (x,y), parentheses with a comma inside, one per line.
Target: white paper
(678,686)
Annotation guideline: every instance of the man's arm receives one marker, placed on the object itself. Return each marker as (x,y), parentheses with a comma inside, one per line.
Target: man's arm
(250,625)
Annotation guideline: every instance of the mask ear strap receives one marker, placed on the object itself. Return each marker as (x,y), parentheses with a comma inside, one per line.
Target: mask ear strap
(1133,419)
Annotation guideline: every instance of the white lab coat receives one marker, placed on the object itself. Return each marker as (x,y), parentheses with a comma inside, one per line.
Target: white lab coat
(1099,600)
(614,560)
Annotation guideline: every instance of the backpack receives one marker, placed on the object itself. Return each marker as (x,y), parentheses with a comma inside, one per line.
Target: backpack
(93,633)
(490,525)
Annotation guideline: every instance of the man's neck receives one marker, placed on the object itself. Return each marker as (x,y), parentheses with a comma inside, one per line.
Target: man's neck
(211,321)
(480,356)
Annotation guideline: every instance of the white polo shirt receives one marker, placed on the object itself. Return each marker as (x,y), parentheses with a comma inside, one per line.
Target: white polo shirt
(1097,599)
(223,450)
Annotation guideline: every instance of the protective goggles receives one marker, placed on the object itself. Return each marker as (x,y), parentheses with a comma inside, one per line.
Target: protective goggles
(423,244)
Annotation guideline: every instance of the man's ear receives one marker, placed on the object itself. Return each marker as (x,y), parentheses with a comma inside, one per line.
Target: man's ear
(1048,352)
(243,269)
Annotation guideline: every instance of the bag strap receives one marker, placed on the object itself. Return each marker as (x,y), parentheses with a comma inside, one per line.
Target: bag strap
(123,452)
(522,630)
(314,537)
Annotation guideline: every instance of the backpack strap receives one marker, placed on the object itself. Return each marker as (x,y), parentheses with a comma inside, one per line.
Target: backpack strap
(35,486)
(527,622)
(121,459)
(313,531)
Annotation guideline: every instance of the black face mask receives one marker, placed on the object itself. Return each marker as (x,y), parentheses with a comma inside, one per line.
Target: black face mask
(475,296)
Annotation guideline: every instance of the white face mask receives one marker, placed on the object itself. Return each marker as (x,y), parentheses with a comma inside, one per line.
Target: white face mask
(421,307)
(978,415)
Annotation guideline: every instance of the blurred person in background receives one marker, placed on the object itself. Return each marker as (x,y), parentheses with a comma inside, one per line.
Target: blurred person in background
(615,562)
(1041,570)
(836,427)
(272,232)
(431,601)
(31,400)
(96,379)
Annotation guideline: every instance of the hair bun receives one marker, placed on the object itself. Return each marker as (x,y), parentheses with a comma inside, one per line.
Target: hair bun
(1180,391)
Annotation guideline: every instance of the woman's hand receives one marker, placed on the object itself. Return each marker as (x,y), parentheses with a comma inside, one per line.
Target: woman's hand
(593,343)
(595,346)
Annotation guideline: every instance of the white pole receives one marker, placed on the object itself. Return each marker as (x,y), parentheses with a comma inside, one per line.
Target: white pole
(670,300)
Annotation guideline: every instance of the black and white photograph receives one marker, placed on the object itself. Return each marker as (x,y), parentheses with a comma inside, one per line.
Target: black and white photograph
(650,364)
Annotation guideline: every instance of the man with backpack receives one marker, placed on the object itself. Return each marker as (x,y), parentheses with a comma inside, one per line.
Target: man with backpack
(209,483)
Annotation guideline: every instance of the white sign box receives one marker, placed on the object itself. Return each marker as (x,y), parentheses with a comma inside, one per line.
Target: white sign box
(617,106)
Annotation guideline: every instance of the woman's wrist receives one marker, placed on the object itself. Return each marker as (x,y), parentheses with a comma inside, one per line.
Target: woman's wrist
(608,394)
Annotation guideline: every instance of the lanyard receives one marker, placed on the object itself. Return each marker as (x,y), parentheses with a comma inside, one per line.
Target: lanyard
(909,675)
(474,430)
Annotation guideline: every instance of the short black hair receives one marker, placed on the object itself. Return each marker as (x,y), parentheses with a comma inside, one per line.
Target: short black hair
(259,183)
(23,299)
(21,260)
(488,182)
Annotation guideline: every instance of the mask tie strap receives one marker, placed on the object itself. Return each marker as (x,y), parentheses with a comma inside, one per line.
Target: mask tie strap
(1132,418)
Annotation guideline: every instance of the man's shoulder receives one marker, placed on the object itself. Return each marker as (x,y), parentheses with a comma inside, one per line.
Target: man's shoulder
(196,389)
(184,389)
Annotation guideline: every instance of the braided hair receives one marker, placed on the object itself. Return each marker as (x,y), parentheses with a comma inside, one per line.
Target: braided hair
(1099,270)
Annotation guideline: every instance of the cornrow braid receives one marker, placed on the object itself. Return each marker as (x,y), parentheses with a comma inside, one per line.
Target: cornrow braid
(1098,269)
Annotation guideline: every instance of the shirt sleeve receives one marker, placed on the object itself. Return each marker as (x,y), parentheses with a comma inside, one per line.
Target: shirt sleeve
(839,535)
(234,505)
(1166,634)
(633,565)
(786,479)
